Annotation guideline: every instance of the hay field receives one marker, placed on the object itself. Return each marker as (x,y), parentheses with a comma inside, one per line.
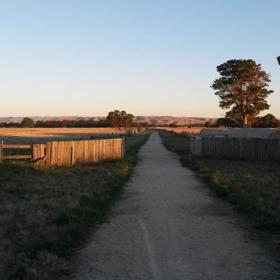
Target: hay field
(42,135)
(180,130)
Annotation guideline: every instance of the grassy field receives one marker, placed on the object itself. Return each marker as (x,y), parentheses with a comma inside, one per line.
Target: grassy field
(46,214)
(37,132)
(180,130)
(253,187)
(42,135)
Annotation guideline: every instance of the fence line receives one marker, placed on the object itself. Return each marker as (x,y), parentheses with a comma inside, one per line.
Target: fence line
(237,148)
(66,153)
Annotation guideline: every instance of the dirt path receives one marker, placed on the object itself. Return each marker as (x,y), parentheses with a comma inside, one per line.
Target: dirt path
(168,226)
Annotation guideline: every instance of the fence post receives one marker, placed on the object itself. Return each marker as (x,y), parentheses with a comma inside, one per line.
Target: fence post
(72,152)
(33,149)
(124,147)
(1,151)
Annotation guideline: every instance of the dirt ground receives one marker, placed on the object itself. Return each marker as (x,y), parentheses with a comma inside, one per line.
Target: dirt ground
(169,226)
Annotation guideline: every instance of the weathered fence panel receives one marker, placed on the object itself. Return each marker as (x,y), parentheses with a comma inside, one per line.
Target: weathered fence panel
(66,153)
(196,145)
(252,149)
(38,151)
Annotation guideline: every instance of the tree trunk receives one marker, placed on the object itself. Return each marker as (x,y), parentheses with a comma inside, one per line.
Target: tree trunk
(246,121)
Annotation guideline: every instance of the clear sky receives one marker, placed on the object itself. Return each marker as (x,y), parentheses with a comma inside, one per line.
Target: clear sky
(149,57)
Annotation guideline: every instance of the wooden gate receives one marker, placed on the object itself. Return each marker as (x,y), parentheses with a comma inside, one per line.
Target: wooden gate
(13,149)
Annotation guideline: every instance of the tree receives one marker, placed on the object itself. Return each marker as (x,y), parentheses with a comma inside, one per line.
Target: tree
(242,88)
(227,122)
(208,124)
(267,121)
(27,122)
(174,124)
(119,119)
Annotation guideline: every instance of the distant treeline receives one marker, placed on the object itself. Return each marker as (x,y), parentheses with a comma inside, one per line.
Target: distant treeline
(121,119)
(115,118)
(267,121)
(71,123)
(85,123)
(66,123)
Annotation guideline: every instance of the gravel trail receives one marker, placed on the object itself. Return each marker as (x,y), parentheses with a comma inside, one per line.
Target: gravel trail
(169,226)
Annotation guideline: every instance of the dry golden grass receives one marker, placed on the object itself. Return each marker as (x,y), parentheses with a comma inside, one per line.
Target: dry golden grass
(57,131)
(195,130)
(41,135)
(180,130)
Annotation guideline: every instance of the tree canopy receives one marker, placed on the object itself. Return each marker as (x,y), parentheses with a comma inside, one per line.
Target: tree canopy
(119,119)
(243,89)
(226,122)
(267,121)
(27,122)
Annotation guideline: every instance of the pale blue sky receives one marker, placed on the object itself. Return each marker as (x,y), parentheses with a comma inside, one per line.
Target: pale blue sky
(149,57)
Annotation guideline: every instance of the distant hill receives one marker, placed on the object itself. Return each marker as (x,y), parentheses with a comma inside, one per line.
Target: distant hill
(152,120)
(167,120)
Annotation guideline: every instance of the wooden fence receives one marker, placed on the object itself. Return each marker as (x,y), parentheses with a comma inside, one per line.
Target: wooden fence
(66,153)
(237,148)
(13,156)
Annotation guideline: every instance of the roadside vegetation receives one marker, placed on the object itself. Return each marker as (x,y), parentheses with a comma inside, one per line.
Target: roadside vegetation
(253,187)
(46,214)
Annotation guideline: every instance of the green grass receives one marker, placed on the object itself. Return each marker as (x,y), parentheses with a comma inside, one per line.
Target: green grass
(46,214)
(253,187)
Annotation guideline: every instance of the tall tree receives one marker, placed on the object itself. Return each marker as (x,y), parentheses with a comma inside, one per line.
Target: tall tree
(242,88)
(27,122)
(119,119)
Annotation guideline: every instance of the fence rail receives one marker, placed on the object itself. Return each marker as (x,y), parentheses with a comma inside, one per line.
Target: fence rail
(66,153)
(16,146)
(4,156)
(236,148)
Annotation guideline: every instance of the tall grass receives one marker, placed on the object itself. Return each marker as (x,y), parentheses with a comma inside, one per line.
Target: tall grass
(46,214)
